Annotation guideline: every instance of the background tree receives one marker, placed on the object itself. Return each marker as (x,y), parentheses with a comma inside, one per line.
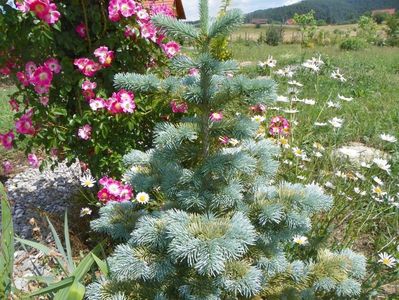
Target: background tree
(208,222)
(307,26)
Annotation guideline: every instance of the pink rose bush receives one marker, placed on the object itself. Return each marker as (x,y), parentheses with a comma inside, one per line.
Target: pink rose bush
(279,126)
(63,67)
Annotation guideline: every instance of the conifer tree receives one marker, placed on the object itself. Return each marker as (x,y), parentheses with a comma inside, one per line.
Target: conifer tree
(215,226)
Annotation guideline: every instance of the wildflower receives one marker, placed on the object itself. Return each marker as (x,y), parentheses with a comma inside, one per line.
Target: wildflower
(388,138)
(365,165)
(279,126)
(131,32)
(338,76)
(270,62)
(387,260)
(333,104)
(30,68)
(301,177)
(282,141)
(359,191)
(258,119)
(329,185)
(7,139)
(80,29)
(320,124)
(309,101)
(378,191)
(178,107)
(104,196)
(148,31)
(360,176)
(53,64)
(7,167)
(378,180)
(282,99)
(40,7)
(296,83)
(336,122)
(348,99)
(126,193)
(290,111)
(85,211)
(298,152)
(318,154)
(286,72)
(87,181)
(142,198)
(216,116)
(300,240)
(84,132)
(258,108)
(318,146)
(87,66)
(382,164)
(33,160)
(171,49)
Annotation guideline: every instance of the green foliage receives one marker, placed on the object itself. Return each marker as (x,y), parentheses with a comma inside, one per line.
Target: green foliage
(307,25)
(71,286)
(380,17)
(217,226)
(332,11)
(353,44)
(6,246)
(274,35)
(368,28)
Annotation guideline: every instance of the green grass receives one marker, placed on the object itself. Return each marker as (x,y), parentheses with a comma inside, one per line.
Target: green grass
(373,80)
(359,222)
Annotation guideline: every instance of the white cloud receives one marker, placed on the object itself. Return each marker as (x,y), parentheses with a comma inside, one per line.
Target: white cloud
(191,6)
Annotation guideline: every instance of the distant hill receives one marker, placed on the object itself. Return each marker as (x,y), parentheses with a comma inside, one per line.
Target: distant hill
(332,11)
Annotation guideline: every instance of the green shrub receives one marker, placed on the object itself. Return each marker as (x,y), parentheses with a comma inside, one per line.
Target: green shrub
(274,36)
(353,44)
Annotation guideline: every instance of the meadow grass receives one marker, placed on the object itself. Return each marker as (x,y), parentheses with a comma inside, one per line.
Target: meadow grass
(363,222)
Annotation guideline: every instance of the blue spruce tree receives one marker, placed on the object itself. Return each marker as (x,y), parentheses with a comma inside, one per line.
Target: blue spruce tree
(215,226)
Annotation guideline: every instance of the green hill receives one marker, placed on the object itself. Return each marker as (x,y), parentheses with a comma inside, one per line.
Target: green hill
(332,11)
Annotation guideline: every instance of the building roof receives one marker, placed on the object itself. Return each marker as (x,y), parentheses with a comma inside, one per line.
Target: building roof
(176,5)
(389,11)
(258,21)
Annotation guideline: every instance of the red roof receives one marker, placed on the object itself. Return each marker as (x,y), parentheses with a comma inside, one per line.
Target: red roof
(389,11)
(176,5)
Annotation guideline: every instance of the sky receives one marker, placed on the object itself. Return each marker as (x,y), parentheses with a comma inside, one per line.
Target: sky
(191,6)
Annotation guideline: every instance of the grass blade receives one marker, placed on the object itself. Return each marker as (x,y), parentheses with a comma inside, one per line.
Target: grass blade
(54,287)
(102,265)
(67,241)
(7,246)
(59,245)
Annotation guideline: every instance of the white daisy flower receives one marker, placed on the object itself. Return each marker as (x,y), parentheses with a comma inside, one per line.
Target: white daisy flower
(333,104)
(85,211)
(348,99)
(329,185)
(320,124)
(365,165)
(296,83)
(387,259)
(309,101)
(258,119)
(338,76)
(298,152)
(234,142)
(378,180)
(270,62)
(142,198)
(378,191)
(388,138)
(382,164)
(336,122)
(282,99)
(290,111)
(87,181)
(300,240)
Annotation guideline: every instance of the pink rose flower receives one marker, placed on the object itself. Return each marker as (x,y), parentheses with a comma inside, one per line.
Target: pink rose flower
(97,103)
(84,132)
(88,85)
(179,107)
(24,124)
(53,64)
(7,167)
(33,160)
(7,139)
(171,49)
(22,78)
(42,76)
(216,117)
(81,30)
